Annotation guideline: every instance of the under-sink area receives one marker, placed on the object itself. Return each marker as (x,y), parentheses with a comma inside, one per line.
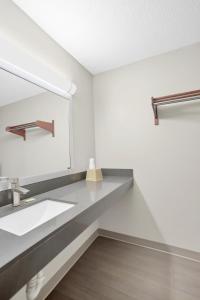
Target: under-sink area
(29,218)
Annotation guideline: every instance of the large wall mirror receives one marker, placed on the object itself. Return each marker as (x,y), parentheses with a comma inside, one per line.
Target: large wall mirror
(22,103)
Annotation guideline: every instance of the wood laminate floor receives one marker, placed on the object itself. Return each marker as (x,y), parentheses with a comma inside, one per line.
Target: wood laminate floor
(113,270)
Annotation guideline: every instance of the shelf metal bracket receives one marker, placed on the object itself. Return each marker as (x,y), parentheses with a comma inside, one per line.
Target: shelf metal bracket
(155,111)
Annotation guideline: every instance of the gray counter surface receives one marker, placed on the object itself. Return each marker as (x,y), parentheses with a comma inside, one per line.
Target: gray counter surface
(83,194)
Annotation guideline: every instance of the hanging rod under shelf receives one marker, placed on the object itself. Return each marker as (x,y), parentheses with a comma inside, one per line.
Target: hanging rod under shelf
(171,99)
(21,129)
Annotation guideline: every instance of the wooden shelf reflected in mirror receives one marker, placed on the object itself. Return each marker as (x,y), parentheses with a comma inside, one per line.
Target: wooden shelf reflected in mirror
(21,129)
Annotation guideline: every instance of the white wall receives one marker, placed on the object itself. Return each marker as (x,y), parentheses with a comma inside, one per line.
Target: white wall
(22,32)
(40,153)
(164,205)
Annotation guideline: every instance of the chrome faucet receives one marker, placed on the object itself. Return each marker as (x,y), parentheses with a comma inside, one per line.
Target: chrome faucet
(17,191)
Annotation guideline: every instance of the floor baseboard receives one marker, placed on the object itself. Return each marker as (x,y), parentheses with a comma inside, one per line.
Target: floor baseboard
(187,254)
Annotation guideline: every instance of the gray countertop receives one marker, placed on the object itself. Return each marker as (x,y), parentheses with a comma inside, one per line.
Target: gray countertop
(83,194)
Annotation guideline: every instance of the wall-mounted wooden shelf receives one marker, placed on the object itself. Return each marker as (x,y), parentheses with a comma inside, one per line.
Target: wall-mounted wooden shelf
(21,129)
(171,99)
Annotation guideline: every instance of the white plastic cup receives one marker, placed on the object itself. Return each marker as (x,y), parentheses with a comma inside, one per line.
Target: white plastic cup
(91,164)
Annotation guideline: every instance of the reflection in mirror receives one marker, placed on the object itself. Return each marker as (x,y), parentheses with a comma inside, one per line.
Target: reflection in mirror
(23,102)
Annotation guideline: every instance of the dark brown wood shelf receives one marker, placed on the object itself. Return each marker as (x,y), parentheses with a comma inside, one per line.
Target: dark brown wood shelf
(171,99)
(21,129)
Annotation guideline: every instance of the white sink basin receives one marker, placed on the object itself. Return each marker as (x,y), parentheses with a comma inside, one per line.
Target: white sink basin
(27,219)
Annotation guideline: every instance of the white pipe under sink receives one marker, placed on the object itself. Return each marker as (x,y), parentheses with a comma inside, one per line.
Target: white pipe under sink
(34,286)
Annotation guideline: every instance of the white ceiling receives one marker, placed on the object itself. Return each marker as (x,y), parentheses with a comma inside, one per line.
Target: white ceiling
(14,88)
(105,34)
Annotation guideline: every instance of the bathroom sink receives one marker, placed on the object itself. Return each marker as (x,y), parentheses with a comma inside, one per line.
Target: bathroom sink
(27,219)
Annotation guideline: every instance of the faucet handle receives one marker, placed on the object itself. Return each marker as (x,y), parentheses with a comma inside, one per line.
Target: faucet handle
(14,182)
(14,179)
